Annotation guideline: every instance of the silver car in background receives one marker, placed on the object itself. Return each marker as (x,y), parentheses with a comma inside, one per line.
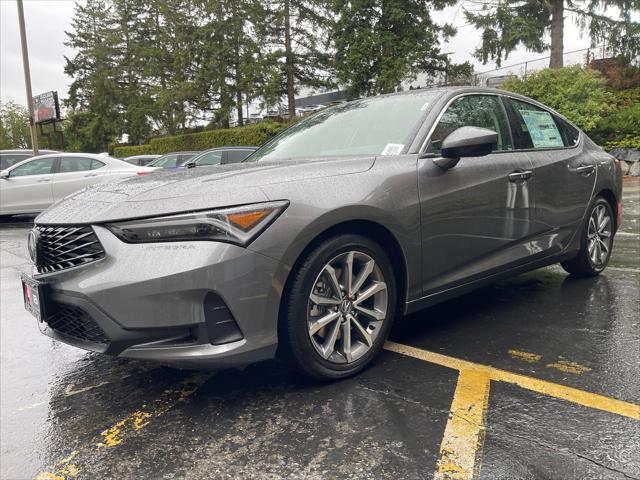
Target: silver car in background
(311,247)
(32,185)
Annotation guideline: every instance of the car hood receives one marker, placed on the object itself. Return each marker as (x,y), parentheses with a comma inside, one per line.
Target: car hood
(187,190)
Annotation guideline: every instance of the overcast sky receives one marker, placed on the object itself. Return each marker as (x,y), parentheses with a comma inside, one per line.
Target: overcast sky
(47,20)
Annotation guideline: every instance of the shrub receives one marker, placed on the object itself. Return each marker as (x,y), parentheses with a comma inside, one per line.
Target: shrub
(125,151)
(576,92)
(621,129)
(251,135)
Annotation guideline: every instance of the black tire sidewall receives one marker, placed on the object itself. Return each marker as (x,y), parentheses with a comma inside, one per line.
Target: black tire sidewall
(582,265)
(297,337)
(585,245)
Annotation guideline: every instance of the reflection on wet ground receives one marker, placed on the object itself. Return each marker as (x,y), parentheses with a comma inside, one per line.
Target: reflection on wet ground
(73,414)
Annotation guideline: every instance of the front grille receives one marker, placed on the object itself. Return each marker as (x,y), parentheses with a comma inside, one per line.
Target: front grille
(76,323)
(66,247)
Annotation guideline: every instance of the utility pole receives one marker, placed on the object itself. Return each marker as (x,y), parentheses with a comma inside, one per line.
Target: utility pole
(27,77)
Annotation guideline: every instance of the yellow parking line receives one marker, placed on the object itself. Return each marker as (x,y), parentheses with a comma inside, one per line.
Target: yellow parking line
(464,433)
(120,431)
(524,356)
(581,397)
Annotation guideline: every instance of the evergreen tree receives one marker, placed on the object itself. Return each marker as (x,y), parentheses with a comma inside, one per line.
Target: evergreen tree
(231,42)
(300,45)
(539,25)
(381,43)
(94,89)
(129,43)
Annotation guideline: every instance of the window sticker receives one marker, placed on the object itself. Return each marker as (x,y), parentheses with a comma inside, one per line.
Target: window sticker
(392,149)
(542,128)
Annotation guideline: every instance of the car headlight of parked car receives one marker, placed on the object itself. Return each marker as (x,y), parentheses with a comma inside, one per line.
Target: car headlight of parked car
(237,225)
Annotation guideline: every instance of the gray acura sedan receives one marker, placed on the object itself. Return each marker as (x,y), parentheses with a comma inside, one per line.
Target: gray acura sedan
(313,245)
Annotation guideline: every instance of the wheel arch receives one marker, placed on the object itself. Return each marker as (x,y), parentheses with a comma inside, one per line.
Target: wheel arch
(372,230)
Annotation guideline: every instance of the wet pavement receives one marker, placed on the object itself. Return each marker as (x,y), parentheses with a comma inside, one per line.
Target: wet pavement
(535,377)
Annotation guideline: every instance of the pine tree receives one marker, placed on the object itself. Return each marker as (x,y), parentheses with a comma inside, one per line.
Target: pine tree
(94,89)
(230,45)
(381,43)
(298,33)
(135,100)
(538,25)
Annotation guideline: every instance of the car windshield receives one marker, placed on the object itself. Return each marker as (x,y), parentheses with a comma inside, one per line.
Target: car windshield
(370,126)
(8,159)
(170,160)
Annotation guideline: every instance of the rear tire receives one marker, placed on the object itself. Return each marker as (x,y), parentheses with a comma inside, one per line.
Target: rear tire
(596,241)
(334,322)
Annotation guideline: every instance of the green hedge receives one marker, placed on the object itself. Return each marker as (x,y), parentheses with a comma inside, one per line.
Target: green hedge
(251,135)
(621,129)
(129,150)
(576,92)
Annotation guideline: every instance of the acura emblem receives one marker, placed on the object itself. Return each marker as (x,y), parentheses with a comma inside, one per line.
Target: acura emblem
(33,245)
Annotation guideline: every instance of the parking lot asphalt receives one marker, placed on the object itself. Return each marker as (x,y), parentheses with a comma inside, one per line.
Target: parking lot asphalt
(535,377)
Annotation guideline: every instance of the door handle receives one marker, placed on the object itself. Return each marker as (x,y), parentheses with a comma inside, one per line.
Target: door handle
(585,169)
(44,180)
(520,176)
(91,175)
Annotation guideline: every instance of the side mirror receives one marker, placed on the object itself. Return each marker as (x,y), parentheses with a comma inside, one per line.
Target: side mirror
(4,174)
(190,165)
(465,142)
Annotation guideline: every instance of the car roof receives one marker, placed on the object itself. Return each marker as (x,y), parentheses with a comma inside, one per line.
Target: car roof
(27,150)
(179,153)
(150,155)
(97,156)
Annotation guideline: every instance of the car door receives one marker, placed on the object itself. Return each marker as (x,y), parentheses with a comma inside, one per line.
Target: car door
(73,174)
(27,189)
(563,175)
(476,215)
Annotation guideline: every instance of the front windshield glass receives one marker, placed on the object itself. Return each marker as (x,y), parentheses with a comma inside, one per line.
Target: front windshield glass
(170,160)
(370,126)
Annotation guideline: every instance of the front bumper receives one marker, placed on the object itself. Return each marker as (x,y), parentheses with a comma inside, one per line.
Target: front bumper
(191,304)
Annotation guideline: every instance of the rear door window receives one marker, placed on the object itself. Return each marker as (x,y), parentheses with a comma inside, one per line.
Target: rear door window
(75,164)
(96,164)
(534,127)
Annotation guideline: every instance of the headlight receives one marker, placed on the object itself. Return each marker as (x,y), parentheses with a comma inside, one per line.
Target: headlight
(237,225)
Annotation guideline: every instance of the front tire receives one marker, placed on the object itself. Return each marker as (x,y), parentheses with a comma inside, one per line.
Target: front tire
(340,307)
(596,241)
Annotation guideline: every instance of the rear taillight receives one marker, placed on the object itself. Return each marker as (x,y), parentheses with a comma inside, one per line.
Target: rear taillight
(144,173)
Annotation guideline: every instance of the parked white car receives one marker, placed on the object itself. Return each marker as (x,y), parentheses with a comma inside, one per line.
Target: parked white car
(32,185)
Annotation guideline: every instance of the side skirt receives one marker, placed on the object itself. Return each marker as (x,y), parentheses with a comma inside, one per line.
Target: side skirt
(452,292)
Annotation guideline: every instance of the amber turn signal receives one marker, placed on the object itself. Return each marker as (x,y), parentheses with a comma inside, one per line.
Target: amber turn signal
(246,220)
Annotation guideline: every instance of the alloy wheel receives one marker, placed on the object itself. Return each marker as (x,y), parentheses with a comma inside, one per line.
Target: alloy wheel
(346,307)
(599,236)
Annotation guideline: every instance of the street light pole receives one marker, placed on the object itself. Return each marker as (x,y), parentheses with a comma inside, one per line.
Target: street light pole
(27,77)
